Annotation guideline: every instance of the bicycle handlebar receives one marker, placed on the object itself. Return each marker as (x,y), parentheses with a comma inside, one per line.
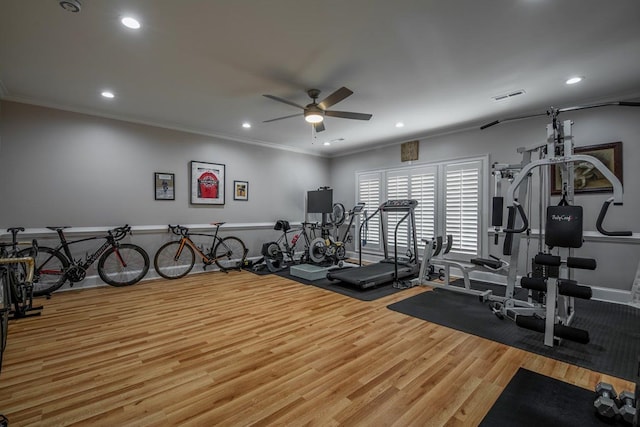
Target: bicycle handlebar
(120,233)
(310,224)
(178,230)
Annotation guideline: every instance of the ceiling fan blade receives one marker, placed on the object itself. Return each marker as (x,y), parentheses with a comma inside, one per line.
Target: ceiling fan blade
(348,115)
(286,101)
(319,127)
(285,117)
(335,97)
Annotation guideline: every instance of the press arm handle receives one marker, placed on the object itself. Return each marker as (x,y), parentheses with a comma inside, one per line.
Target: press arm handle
(603,213)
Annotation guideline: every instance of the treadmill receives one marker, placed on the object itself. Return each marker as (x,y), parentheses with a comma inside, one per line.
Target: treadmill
(391,268)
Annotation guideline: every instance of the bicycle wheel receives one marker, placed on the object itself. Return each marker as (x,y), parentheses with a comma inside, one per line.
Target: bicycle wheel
(49,270)
(337,216)
(171,265)
(229,253)
(124,265)
(5,307)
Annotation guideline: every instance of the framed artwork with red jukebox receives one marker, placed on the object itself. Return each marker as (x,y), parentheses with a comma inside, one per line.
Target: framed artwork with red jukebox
(207,183)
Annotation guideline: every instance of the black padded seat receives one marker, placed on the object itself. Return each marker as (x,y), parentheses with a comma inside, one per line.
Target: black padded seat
(485,262)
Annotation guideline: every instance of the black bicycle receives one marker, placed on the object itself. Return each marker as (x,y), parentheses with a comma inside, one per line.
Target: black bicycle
(176,259)
(282,253)
(119,264)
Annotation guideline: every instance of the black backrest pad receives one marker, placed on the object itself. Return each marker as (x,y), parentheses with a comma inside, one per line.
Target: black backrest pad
(564,226)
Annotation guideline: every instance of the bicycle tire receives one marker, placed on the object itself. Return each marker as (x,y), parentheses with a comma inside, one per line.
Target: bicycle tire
(16,292)
(112,271)
(168,266)
(229,253)
(5,307)
(50,268)
(317,250)
(338,214)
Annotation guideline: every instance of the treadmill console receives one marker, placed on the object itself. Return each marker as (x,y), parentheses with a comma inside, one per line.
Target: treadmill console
(358,208)
(399,205)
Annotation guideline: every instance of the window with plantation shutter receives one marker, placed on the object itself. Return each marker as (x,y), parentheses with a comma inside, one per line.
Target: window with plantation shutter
(462,206)
(369,192)
(449,196)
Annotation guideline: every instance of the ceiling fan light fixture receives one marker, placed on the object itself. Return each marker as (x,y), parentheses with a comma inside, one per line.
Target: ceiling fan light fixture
(313,116)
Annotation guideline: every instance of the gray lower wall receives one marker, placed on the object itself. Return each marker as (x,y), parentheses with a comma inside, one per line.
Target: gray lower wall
(617,258)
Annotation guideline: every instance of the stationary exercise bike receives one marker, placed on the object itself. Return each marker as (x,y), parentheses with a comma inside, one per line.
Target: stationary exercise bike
(332,249)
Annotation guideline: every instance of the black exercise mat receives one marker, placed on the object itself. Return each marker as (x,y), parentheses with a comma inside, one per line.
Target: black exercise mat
(613,328)
(532,399)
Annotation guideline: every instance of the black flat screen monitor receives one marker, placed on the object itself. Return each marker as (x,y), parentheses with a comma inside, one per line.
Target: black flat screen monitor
(320,201)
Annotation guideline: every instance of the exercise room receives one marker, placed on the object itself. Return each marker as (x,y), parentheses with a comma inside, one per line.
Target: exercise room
(338,213)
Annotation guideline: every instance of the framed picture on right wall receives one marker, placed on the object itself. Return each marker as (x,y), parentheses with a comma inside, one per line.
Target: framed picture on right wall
(587,179)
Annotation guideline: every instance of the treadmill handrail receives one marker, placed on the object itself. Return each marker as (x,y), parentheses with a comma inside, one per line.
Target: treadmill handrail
(360,235)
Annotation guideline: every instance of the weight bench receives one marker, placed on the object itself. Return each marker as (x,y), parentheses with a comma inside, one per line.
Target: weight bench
(433,248)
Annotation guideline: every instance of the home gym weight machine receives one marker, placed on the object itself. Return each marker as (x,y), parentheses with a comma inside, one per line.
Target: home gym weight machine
(555,316)
(563,230)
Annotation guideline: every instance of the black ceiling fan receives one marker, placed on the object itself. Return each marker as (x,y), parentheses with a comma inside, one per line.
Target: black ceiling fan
(315,112)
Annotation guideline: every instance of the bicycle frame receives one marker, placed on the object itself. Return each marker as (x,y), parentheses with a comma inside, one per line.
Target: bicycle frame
(89,260)
(206,258)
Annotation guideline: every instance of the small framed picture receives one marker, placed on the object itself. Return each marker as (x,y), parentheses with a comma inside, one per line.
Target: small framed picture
(240,190)
(164,184)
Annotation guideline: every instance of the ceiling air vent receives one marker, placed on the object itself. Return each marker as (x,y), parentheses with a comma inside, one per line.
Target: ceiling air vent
(508,95)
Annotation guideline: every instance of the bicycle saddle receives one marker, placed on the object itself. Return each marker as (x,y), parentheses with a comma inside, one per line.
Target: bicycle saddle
(58,227)
(217,224)
(283,225)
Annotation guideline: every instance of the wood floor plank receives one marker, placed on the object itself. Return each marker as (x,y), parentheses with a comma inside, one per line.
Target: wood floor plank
(241,349)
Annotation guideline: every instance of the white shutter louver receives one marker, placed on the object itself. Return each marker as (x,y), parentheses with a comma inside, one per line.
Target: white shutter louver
(369,193)
(423,189)
(397,188)
(462,206)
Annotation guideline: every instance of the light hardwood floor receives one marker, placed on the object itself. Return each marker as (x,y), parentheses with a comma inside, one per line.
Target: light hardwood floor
(240,349)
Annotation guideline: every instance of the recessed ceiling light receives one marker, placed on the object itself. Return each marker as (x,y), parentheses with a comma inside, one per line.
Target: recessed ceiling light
(399,125)
(574,80)
(327,143)
(108,94)
(130,22)
(246,125)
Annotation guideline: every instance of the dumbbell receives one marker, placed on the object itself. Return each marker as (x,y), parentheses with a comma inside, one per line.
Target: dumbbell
(605,402)
(627,407)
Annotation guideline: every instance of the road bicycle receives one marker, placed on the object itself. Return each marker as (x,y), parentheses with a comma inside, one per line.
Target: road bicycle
(175,259)
(119,264)
(282,253)
(16,276)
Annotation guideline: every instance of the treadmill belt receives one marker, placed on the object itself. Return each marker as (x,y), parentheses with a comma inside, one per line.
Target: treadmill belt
(371,275)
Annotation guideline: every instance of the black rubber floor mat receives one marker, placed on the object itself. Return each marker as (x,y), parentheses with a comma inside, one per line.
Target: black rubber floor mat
(532,399)
(614,329)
